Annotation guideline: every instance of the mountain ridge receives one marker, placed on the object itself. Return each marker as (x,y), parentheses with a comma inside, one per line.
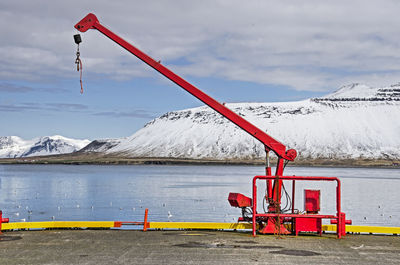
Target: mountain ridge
(16,147)
(355,121)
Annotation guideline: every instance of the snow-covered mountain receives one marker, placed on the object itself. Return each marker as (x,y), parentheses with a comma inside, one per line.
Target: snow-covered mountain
(14,146)
(356,121)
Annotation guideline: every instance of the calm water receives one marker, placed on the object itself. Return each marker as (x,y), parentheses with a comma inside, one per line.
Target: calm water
(189,193)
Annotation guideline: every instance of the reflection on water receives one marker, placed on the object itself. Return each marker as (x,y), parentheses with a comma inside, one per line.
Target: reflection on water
(180,193)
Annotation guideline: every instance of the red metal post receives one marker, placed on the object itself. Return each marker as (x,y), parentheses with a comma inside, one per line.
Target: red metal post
(293,193)
(293,204)
(277,187)
(254,206)
(3,220)
(268,173)
(145,224)
(339,224)
(344,222)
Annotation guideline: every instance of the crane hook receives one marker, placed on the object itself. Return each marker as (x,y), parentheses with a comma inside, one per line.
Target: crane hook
(78,62)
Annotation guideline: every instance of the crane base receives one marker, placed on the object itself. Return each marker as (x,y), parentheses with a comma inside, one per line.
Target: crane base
(272,228)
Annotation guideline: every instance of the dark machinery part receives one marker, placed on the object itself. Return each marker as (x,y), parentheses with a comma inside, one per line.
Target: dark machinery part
(77,38)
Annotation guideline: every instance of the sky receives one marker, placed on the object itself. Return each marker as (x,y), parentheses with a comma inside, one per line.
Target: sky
(235,51)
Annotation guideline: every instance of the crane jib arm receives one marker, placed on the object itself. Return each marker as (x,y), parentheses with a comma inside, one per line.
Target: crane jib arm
(91,22)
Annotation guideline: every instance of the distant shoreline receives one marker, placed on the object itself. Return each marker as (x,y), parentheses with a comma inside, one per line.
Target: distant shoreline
(99,159)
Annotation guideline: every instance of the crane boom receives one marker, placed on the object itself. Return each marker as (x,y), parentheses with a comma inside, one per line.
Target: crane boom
(91,22)
(271,222)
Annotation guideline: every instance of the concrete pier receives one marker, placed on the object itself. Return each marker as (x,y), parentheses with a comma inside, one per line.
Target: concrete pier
(192,247)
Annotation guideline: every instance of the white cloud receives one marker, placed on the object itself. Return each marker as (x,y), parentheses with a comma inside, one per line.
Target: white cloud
(306,45)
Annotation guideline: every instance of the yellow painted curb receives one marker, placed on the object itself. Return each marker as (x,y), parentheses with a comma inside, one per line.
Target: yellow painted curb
(365,229)
(57,224)
(195,225)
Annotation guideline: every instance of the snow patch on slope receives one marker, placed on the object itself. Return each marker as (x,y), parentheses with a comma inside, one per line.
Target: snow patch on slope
(353,91)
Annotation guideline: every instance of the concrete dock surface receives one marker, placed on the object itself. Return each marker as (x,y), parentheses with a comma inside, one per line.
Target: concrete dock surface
(192,247)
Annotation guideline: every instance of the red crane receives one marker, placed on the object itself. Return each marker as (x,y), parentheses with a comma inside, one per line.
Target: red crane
(273,194)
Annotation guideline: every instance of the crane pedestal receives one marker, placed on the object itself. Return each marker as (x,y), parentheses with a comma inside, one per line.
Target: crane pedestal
(273,226)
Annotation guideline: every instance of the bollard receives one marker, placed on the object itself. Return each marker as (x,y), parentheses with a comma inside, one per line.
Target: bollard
(145,223)
(3,220)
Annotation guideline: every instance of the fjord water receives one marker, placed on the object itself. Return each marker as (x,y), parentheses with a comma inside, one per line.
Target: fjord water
(370,196)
